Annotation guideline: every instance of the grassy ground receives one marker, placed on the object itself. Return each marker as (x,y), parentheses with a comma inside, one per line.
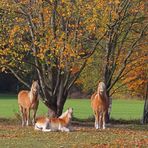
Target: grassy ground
(83,135)
(124,109)
(13,135)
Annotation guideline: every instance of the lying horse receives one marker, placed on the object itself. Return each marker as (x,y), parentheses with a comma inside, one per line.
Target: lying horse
(99,103)
(28,100)
(55,124)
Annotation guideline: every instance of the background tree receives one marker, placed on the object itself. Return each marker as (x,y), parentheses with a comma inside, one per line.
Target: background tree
(50,39)
(137,78)
(125,23)
(137,73)
(54,38)
(92,73)
(145,111)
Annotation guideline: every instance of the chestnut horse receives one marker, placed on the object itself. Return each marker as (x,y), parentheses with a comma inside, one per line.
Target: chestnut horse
(61,123)
(100,104)
(28,100)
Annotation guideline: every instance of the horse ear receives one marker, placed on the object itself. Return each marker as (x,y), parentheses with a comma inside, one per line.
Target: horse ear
(35,80)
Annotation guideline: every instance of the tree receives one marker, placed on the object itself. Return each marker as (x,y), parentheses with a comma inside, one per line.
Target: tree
(126,26)
(124,36)
(49,38)
(145,111)
(92,73)
(137,73)
(137,79)
(54,39)
(126,33)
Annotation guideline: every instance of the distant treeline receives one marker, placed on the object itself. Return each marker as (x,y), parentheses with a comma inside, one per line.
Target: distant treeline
(8,83)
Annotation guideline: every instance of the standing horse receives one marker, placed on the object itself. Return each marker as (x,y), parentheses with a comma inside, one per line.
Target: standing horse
(99,103)
(28,100)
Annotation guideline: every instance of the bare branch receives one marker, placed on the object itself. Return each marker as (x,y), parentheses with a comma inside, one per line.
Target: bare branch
(57,82)
(18,77)
(76,75)
(122,85)
(126,58)
(94,48)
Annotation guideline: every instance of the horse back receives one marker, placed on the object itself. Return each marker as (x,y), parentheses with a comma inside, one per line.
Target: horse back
(93,96)
(23,99)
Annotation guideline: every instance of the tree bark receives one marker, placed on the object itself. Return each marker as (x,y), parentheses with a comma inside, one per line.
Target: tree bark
(55,108)
(109,108)
(145,111)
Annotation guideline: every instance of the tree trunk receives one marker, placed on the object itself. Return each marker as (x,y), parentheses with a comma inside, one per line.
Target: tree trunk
(109,109)
(145,111)
(60,105)
(56,102)
(55,109)
(108,83)
(52,108)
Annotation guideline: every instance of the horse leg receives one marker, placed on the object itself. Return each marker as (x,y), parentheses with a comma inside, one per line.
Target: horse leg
(100,120)
(28,116)
(34,115)
(104,116)
(65,129)
(96,120)
(22,115)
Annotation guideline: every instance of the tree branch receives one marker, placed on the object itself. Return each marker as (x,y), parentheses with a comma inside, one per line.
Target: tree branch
(127,57)
(76,75)
(18,77)
(94,48)
(119,87)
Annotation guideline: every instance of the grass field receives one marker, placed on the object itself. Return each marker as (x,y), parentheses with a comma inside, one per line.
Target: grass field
(121,109)
(14,136)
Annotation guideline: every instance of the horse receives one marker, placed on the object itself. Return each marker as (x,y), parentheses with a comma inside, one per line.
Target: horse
(100,104)
(61,123)
(28,100)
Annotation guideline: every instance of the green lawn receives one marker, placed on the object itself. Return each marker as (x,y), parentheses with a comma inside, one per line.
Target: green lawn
(131,135)
(121,109)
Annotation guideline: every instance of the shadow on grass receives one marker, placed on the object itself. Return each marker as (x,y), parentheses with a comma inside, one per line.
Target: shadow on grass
(114,123)
(88,123)
(9,121)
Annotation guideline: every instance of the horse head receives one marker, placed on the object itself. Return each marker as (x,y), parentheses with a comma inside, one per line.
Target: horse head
(101,88)
(35,87)
(67,114)
(70,112)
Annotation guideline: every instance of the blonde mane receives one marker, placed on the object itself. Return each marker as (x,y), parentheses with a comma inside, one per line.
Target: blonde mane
(101,88)
(33,93)
(64,114)
(67,114)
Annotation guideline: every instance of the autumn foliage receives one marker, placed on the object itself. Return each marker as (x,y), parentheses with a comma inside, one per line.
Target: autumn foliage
(52,40)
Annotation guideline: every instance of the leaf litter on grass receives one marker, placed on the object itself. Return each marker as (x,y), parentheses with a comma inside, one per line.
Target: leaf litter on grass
(83,136)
